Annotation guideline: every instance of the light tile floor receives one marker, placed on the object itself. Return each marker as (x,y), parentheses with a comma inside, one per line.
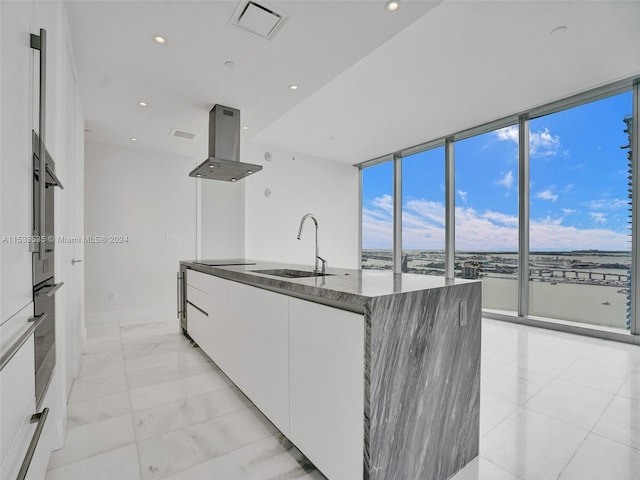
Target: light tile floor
(147,405)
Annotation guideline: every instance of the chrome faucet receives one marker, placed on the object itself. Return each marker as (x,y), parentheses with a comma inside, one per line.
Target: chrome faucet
(318,257)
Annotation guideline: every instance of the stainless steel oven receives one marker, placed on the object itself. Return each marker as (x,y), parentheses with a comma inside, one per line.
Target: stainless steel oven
(44,284)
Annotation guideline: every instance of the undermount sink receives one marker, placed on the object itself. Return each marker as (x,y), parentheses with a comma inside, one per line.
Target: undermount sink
(290,273)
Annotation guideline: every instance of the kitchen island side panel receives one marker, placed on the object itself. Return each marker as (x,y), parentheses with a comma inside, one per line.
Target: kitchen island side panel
(423,403)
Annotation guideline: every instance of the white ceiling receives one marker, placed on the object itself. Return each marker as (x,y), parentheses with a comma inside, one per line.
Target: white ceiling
(371,82)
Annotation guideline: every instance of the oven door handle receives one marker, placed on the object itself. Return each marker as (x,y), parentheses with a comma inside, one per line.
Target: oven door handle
(55,180)
(40,419)
(9,354)
(51,291)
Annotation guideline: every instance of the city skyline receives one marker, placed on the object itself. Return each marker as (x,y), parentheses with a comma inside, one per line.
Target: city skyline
(578,187)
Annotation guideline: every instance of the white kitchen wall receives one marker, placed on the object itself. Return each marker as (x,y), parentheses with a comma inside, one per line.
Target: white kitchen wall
(300,184)
(149,199)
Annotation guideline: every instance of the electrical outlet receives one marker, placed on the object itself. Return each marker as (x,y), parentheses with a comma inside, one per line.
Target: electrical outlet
(172,238)
(462,313)
(113,296)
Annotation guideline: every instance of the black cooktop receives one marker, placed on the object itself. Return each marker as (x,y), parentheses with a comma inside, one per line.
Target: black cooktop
(225,262)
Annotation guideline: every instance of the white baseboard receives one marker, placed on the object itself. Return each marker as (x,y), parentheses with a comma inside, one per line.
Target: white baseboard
(131,316)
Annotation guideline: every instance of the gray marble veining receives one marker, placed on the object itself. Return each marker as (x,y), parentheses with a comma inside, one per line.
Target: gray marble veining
(422,368)
(423,384)
(344,288)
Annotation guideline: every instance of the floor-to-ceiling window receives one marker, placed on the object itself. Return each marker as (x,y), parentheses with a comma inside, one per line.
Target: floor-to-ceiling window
(423,212)
(543,210)
(486,240)
(580,244)
(377,217)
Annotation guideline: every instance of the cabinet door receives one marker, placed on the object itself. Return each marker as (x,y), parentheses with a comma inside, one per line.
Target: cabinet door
(326,358)
(263,363)
(17,393)
(16,174)
(250,344)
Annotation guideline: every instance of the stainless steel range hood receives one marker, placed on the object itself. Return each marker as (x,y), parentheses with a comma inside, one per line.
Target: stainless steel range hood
(224,148)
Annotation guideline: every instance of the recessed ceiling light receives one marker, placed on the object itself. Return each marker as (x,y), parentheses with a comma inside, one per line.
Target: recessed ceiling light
(229,64)
(244,127)
(159,39)
(249,172)
(392,5)
(143,104)
(560,29)
(233,179)
(133,139)
(293,87)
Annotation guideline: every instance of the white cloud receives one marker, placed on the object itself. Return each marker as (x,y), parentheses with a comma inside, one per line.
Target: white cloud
(385,202)
(500,218)
(547,195)
(429,210)
(423,228)
(568,211)
(598,217)
(508,133)
(507,180)
(463,196)
(608,204)
(541,143)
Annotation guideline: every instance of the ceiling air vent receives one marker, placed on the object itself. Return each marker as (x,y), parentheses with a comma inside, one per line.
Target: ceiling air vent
(259,19)
(183,134)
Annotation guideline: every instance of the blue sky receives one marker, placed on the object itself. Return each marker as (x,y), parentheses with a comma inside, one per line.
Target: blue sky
(578,187)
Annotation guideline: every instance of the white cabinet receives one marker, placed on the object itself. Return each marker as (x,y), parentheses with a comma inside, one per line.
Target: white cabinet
(259,356)
(326,355)
(16,174)
(17,393)
(300,363)
(245,331)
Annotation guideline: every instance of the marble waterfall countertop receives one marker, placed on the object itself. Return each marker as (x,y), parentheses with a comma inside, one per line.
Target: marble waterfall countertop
(421,361)
(344,288)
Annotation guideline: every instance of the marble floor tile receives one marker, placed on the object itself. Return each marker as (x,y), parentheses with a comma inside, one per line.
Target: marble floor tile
(538,389)
(137,350)
(621,422)
(102,364)
(85,388)
(273,458)
(545,361)
(493,410)
(151,376)
(118,464)
(103,330)
(184,448)
(99,345)
(515,385)
(631,386)
(98,409)
(183,357)
(92,439)
(598,374)
(490,366)
(531,445)
(133,331)
(482,469)
(189,411)
(571,402)
(599,458)
(160,393)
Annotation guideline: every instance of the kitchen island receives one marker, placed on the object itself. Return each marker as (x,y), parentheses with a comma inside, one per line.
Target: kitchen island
(371,375)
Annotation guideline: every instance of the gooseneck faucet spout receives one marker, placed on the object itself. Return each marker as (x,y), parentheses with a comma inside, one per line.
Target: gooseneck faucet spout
(317,256)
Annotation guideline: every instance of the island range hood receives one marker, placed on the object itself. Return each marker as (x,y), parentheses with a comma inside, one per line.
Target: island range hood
(224,148)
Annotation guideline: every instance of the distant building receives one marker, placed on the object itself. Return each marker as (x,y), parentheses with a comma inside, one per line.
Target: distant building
(470,270)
